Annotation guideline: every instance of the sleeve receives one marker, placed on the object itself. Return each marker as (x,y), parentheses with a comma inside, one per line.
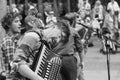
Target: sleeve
(30,39)
(78,43)
(79,46)
(25,49)
(9,48)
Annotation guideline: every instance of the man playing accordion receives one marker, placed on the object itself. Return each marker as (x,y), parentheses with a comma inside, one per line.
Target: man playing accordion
(67,45)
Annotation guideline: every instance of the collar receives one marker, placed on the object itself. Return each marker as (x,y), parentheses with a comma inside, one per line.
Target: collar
(13,37)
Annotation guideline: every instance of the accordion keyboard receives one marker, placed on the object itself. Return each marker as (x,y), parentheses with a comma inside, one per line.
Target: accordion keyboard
(48,64)
(53,69)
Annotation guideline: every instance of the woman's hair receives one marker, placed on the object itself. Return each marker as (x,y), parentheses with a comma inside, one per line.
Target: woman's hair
(7,20)
(65,28)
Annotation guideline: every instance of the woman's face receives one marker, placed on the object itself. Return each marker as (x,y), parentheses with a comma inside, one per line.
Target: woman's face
(16,25)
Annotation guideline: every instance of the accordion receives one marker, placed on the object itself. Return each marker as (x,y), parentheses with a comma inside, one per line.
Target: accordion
(46,63)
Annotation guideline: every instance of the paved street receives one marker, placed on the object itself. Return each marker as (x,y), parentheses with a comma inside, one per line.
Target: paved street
(96,64)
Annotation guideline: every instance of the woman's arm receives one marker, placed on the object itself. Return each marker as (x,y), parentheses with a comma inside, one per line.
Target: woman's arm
(21,65)
(25,71)
(23,53)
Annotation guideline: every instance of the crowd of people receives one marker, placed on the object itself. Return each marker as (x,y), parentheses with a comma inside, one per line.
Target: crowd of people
(104,19)
(67,36)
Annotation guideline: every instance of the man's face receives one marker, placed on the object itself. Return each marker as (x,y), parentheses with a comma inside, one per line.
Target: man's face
(52,33)
(16,25)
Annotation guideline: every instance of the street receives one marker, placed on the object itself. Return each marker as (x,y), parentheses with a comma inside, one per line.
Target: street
(96,64)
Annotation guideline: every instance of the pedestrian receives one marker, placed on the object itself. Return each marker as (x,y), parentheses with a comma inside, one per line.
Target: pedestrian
(51,19)
(114,8)
(11,23)
(98,12)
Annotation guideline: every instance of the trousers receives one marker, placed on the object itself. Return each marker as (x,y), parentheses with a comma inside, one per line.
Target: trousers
(69,68)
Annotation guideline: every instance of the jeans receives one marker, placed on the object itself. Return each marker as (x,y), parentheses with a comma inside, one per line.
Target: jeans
(69,68)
